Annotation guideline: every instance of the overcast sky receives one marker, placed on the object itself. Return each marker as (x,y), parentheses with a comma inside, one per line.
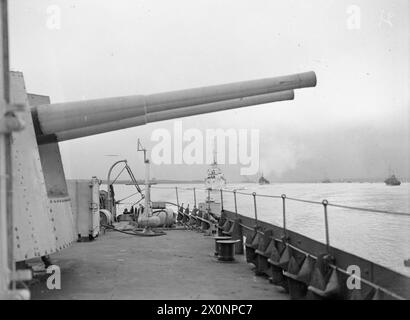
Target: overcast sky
(354,124)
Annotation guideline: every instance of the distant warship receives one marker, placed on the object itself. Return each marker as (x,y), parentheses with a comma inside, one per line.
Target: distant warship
(215,179)
(263,180)
(392,181)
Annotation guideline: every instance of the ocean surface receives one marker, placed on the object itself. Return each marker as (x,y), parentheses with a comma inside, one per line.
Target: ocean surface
(383,238)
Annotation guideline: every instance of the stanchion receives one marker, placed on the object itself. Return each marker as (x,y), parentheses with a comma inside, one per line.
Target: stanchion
(325,203)
(177,198)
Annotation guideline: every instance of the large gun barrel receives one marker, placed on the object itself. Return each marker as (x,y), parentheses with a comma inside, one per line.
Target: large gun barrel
(61,117)
(170,114)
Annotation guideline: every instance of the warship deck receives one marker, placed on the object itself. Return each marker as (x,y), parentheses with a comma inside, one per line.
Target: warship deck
(178,265)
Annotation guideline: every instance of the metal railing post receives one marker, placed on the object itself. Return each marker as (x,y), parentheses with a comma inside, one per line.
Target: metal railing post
(325,203)
(283,196)
(236,205)
(209,200)
(176,192)
(194,198)
(254,204)
(222,200)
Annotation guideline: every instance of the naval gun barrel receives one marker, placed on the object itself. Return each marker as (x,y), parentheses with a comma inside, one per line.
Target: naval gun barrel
(60,117)
(171,114)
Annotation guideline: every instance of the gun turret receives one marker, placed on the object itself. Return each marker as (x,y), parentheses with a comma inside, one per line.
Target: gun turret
(39,168)
(166,115)
(70,120)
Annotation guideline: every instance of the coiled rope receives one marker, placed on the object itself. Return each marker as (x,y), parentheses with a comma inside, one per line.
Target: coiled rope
(136,233)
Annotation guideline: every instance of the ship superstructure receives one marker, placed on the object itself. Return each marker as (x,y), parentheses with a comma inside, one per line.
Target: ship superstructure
(262,180)
(215,179)
(392,181)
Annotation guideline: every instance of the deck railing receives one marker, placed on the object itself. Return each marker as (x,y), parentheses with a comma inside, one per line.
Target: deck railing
(325,204)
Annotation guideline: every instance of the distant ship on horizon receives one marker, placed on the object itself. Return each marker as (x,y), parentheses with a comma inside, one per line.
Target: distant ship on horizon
(263,180)
(215,179)
(392,181)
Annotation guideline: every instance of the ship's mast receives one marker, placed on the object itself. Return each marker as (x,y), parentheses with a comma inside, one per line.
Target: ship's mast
(147,209)
(214,154)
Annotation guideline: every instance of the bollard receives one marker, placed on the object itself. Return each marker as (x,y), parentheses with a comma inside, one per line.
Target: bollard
(227,250)
(217,246)
(235,231)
